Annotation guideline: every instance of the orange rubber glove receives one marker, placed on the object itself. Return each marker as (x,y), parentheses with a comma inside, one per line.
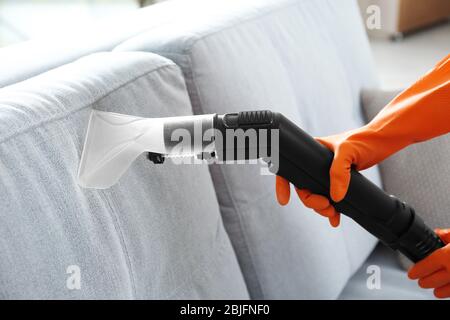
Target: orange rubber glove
(434,270)
(419,113)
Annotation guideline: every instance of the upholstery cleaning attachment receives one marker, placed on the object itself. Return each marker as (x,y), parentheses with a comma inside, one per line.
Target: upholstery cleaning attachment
(114,141)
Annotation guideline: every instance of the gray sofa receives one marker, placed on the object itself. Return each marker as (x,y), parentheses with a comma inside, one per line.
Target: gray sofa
(192,231)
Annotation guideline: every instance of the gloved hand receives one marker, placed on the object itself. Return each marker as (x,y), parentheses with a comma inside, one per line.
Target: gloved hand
(434,270)
(419,113)
(318,203)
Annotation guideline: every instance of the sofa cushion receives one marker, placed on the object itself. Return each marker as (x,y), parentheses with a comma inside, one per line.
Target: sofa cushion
(419,174)
(157,234)
(393,280)
(307,59)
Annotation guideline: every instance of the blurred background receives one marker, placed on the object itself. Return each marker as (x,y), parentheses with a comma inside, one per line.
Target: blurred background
(411,36)
(407,36)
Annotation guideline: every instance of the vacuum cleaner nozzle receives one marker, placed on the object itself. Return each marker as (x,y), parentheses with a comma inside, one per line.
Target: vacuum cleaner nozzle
(114,141)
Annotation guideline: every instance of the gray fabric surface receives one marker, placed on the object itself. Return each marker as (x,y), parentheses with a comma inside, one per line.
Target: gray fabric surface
(394,282)
(419,174)
(63,45)
(156,234)
(307,59)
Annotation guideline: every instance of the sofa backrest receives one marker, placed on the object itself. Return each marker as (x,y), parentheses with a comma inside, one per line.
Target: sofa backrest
(307,59)
(157,234)
(27,59)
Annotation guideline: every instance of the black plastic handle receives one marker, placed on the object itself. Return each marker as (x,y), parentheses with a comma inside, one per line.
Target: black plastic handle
(305,162)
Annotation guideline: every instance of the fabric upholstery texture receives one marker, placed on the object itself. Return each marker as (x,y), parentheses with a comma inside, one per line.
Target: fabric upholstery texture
(27,59)
(419,174)
(157,234)
(393,280)
(309,60)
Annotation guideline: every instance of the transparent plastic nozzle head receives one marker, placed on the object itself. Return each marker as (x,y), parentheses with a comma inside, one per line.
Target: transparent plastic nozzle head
(113,141)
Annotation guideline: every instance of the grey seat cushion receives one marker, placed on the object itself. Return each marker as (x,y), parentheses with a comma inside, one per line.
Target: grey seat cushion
(308,60)
(393,280)
(157,234)
(419,174)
